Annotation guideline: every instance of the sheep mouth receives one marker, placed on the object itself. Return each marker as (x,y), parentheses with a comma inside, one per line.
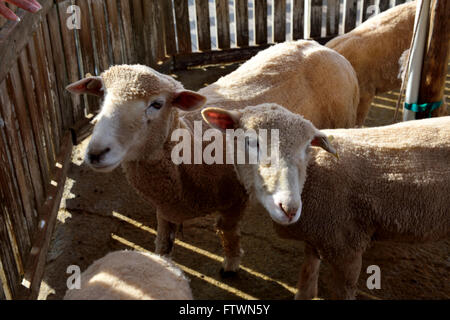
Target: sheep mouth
(278,216)
(284,221)
(105,167)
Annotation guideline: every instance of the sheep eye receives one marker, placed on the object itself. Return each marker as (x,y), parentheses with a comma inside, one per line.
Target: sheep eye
(155,104)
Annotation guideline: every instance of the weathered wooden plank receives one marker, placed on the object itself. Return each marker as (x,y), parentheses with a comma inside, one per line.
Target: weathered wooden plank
(10,182)
(169,27)
(183,27)
(261,21)
(11,266)
(297,19)
(61,76)
(28,140)
(36,118)
(384,5)
(70,57)
(242,37)
(54,93)
(184,61)
(316,18)
(203,25)
(36,262)
(49,111)
(101,35)
(280,21)
(12,196)
(137,14)
(127,28)
(114,30)
(9,276)
(332,17)
(13,233)
(159,27)
(37,73)
(6,293)
(223,24)
(23,139)
(368,9)
(150,32)
(87,48)
(350,15)
(24,185)
(85,37)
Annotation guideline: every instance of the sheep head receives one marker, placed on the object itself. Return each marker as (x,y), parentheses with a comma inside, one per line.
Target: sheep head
(136,114)
(278,184)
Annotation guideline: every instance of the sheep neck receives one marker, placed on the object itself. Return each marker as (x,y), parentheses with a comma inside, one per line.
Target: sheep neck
(184,191)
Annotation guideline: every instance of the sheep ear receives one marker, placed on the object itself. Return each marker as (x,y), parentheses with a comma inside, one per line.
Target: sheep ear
(89,85)
(221,119)
(321,140)
(188,100)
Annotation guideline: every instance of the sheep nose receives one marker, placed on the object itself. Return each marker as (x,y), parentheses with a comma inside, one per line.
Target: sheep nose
(96,156)
(289,212)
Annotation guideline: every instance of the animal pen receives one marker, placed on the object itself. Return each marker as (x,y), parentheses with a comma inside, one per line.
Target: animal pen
(40,121)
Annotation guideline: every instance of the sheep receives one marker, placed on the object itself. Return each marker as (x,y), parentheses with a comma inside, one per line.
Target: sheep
(143,109)
(292,73)
(374,49)
(385,184)
(132,275)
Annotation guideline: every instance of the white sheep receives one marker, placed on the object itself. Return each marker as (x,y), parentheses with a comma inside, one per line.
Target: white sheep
(390,184)
(304,76)
(374,49)
(132,275)
(143,108)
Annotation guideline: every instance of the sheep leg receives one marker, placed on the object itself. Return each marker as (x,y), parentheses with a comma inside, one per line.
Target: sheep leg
(346,273)
(309,275)
(365,102)
(165,236)
(228,229)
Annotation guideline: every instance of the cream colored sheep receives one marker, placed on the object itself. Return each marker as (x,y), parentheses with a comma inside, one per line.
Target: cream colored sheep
(389,184)
(143,108)
(304,76)
(374,49)
(132,275)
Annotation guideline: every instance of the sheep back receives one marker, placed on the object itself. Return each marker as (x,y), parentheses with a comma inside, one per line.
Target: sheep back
(132,275)
(303,76)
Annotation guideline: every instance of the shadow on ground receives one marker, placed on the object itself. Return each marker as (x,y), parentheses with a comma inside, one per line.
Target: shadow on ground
(101,213)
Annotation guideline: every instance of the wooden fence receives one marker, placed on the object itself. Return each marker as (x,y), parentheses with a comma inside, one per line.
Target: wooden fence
(46,51)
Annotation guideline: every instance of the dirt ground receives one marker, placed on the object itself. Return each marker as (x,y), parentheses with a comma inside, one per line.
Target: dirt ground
(101,213)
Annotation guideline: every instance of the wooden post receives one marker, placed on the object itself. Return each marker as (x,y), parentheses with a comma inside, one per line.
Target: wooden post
(223,24)
(434,70)
(260,22)
(279,27)
(307,20)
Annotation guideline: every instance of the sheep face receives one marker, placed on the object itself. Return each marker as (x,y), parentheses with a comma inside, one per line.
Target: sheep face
(136,116)
(278,184)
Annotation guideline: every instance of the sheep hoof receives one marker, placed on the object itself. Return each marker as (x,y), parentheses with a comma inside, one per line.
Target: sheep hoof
(227,274)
